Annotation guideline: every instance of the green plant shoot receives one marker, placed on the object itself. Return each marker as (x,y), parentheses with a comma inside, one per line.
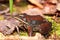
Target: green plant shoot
(11,6)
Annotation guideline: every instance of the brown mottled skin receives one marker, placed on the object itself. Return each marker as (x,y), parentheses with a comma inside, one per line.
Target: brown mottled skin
(37,23)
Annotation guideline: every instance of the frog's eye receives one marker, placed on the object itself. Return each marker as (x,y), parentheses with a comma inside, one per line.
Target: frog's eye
(21,15)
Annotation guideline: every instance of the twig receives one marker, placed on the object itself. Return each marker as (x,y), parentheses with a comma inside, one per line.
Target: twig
(21,20)
(5,11)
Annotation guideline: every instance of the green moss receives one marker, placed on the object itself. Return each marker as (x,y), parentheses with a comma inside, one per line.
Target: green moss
(23,34)
(55,26)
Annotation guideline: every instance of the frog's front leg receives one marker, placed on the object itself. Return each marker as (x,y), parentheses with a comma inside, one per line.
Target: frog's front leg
(30,31)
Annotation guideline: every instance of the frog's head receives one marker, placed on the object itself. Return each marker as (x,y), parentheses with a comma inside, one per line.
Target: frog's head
(22,16)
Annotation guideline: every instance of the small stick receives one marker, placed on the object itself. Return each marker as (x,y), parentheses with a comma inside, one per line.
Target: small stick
(5,11)
(21,20)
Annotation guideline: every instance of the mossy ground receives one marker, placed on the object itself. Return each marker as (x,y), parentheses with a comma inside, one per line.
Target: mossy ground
(23,6)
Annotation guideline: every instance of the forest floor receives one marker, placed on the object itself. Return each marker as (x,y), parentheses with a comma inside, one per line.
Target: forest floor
(20,9)
(36,37)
